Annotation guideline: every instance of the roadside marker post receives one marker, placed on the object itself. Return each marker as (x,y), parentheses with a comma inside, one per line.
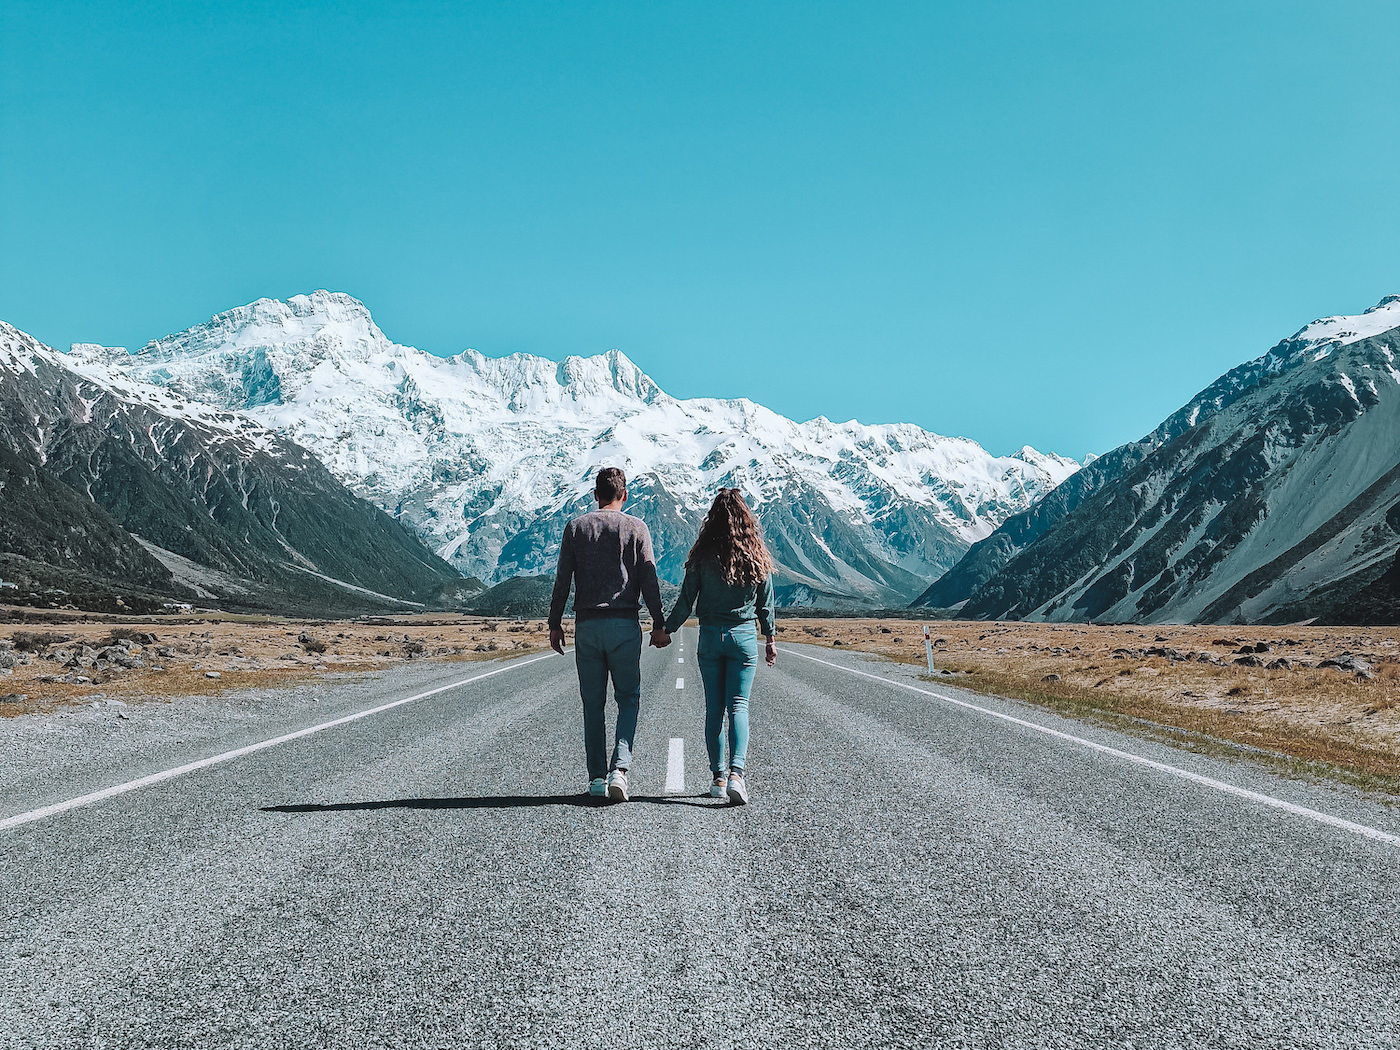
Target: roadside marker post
(928,648)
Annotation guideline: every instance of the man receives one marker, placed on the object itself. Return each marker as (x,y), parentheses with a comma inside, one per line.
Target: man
(607,556)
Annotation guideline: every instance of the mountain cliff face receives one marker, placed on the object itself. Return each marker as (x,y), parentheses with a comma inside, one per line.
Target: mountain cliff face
(486,459)
(136,488)
(1273,496)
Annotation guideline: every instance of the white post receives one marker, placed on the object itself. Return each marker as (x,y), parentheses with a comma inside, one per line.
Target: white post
(928,648)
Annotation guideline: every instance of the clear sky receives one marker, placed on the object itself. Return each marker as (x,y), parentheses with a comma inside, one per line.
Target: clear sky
(1023,222)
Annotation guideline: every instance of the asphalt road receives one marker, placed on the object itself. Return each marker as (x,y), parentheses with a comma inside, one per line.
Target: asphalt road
(910,873)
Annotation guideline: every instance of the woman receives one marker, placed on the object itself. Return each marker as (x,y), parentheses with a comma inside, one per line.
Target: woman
(729,582)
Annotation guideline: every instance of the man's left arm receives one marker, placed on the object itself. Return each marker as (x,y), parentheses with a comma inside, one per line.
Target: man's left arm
(651,587)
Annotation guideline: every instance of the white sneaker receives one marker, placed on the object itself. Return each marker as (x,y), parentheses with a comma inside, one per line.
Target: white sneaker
(738,793)
(617,785)
(598,787)
(717,788)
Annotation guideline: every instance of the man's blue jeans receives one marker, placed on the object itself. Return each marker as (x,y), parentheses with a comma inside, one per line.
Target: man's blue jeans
(603,648)
(728,658)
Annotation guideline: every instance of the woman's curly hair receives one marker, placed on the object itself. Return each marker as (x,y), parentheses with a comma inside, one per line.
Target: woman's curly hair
(730,537)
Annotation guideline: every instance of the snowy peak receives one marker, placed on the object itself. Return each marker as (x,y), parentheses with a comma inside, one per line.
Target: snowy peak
(612,371)
(1379,319)
(322,323)
(487,457)
(526,382)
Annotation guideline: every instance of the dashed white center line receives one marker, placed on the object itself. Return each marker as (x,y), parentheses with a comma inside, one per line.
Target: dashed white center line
(680,659)
(680,683)
(675,766)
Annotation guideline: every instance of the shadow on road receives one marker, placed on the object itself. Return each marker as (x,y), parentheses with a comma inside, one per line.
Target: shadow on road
(496,802)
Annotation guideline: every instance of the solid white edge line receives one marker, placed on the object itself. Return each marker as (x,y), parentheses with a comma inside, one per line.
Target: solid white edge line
(228,756)
(675,766)
(1162,767)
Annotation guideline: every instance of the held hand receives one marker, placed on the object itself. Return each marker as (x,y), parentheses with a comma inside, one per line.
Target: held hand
(556,639)
(770,652)
(660,638)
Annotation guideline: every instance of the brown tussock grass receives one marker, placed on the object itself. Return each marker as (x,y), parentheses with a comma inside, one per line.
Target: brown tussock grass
(1307,720)
(256,653)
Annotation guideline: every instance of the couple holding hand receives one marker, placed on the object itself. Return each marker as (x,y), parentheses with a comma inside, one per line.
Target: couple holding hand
(607,556)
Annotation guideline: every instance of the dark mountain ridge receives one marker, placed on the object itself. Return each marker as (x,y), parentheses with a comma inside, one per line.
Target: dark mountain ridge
(1270,496)
(106,477)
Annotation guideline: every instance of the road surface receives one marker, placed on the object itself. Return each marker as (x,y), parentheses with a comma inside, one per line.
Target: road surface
(916,869)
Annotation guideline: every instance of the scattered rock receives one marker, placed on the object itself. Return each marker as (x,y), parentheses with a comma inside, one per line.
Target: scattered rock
(1051,678)
(14,698)
(1263,647)
(212,674)
(1249,661)
(1283,663)
(1354,664)
(837,641)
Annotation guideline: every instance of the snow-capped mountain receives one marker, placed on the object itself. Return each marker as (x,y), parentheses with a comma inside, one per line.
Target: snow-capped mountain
(116,487)
(487,458)
(1272,495)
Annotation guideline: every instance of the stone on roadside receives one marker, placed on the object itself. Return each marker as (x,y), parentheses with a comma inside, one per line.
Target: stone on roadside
(212,674)
(13,698)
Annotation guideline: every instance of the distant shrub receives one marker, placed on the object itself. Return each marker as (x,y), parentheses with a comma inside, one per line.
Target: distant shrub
(130,634)
(37,641)
(311,643)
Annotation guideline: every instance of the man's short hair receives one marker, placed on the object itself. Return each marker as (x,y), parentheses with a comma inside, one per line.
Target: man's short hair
(610,486)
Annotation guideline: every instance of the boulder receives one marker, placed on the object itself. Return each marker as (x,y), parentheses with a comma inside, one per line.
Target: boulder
(1353,664)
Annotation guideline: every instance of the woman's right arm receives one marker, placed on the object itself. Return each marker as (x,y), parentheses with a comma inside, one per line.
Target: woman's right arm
(680,612)
(766,604)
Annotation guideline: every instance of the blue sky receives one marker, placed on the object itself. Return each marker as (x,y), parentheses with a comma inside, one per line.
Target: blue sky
(1021,222)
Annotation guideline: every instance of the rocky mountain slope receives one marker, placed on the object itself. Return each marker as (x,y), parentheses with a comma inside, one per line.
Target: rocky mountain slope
(1273,496)
(135,491)
(488,458)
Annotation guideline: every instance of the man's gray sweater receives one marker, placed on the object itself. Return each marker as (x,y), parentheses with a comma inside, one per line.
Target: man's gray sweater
(608,557)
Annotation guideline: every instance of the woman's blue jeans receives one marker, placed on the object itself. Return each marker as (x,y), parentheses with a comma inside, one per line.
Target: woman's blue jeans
(728,658)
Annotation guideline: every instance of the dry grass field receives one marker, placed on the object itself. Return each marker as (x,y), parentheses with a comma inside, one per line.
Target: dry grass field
(1193,686)
(175,657)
